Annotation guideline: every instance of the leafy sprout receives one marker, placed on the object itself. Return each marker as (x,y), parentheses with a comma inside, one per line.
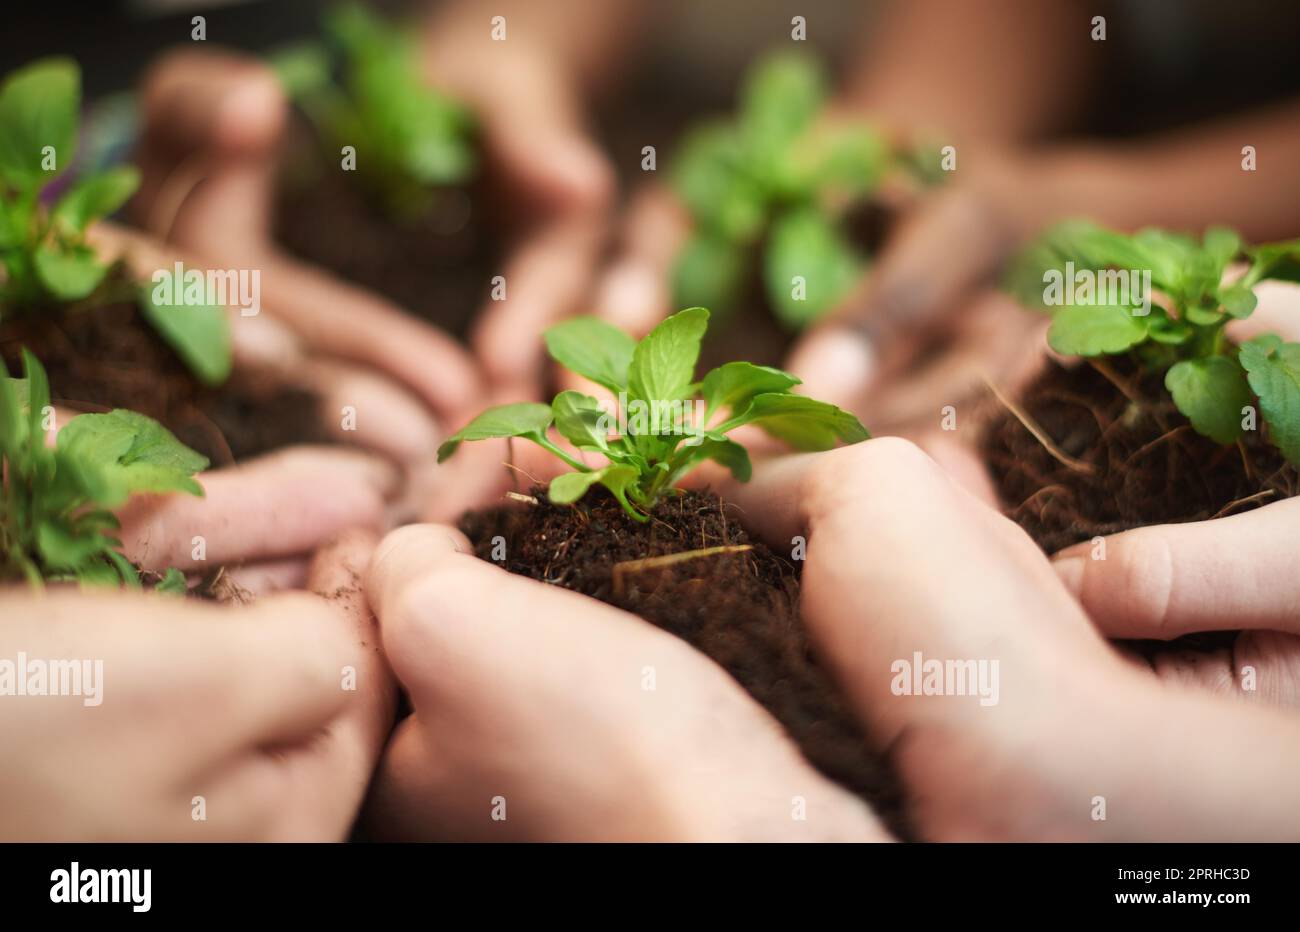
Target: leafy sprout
(47,262)
(1212,380)
(666,423)
(775,180)
(409,138)
(55,522)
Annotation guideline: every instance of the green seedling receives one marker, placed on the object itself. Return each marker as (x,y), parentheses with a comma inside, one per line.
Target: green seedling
(1172,309)
(48,264)
(665,423)
(772,185)
(408,139)
(55,522)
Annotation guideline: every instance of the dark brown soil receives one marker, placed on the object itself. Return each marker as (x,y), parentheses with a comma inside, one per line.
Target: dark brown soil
(110,357)
(438,266)
(739,608)
(1144,463)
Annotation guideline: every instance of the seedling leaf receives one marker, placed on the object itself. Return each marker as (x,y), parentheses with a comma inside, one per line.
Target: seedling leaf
(1212,393)
(593,349)
(38,109)
(514,420)
(1088,330)
(663,364)
(95,196)
(1273,369)
(199,333)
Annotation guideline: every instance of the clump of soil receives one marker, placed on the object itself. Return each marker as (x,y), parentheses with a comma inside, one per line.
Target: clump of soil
(1132,458)
(752,331)
(438,266)
(110,357)
(740,607)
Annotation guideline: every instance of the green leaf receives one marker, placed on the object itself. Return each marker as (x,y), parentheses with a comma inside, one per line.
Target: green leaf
(12,224)
(1211,392)
(1091,330)
(69,274)
(1277,261)
(781,97)
(593,349)
(725,451)
(1167,330)
(38,394)
(709,272)
(1238,300)
(805,245)
(803,423)
(13,423)
(734,384)
(95,196)
(581,420)
(663,364)
(709,174)
(172,583)
(38,108)
(302,67)
(1273,369)
(846,159)
(116,454)
(199,333)
(63,551)
(567,488)
(514,420)
(1221,245)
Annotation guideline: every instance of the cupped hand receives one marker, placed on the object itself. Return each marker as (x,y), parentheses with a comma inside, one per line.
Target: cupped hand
(1060,738)
(213,125)
(196,723)
(532,721)
(904,564)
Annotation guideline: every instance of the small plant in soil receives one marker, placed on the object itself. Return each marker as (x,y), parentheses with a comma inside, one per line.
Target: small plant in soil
(1168,419)
(55,522)
(108,340)
(777,189)
(378,184)
(412,139)
(49,267)
(625,534)
(671,423)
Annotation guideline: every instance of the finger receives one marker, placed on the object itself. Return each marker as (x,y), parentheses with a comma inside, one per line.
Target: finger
(488,676)
(325,777)
(168,663)
(362,407)
(950,245)
(1164,581)
(268,576)
(338,319)
(545,279)
(1278,312)
(212,122)
(280,505)
(634,294)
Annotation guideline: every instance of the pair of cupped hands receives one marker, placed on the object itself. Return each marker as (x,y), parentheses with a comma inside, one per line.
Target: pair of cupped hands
(528,715)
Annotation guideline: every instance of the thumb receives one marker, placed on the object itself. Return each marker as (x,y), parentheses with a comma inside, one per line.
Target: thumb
(1168,580)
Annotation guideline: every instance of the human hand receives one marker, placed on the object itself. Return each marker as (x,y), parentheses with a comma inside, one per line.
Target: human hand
(530,721)
(196,723)
(213,124)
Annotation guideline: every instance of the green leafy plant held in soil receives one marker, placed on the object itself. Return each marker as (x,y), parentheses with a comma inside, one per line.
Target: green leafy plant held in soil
(669,422)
